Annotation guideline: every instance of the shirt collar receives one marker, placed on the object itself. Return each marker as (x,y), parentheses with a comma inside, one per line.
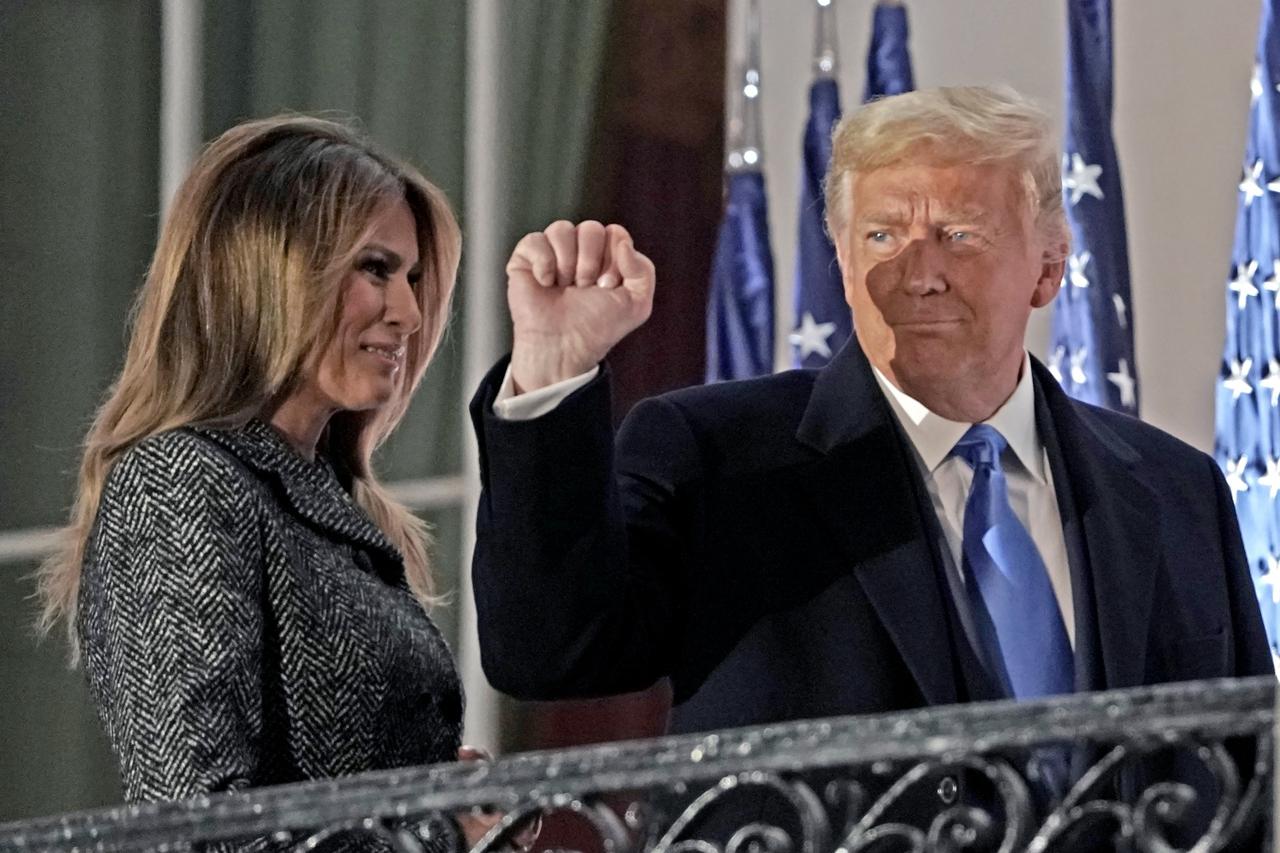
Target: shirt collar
(933,436)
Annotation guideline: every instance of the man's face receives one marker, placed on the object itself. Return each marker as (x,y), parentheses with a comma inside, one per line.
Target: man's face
(942,266)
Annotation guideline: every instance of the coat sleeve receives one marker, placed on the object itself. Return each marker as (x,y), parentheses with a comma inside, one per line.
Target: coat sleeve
(579,557)
(1251,650)
(171,620)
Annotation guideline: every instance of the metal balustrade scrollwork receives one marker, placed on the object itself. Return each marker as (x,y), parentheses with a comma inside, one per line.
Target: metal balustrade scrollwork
(1184,767)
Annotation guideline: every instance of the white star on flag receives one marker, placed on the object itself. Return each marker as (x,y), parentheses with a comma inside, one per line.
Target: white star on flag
(1271,479)
(1081,178)
(1238,383)
(812,337)
(1249,184)
(1235,476)
(1055,363)
(1122,316)
(1271,381)
(1272,282)
(1243,285)
(1123,381)
(1255,84)
(1076,264)
(1272,578)
(1078,357)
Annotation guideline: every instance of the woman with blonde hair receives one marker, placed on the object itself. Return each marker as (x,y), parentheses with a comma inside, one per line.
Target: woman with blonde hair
(248,600)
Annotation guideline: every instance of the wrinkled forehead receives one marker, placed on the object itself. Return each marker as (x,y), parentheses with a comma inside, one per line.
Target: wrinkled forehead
(915,189)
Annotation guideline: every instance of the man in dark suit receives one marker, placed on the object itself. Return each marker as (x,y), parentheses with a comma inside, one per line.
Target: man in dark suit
(927,520)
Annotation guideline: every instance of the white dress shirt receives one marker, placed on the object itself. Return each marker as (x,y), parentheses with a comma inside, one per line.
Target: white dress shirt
(533,404)
(1026,470)
(947,478)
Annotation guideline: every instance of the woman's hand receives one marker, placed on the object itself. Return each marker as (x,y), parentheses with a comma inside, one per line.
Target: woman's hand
(477,822)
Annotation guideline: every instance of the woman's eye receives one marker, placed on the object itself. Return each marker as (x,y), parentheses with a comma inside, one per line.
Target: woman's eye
(377,267)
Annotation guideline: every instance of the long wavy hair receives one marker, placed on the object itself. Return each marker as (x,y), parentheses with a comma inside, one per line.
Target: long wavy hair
(244,289)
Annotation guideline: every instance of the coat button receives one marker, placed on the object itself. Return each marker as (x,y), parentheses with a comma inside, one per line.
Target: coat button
(948,790)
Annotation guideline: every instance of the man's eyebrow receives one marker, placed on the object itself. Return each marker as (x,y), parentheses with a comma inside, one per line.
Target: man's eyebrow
(891,217)
(886,217)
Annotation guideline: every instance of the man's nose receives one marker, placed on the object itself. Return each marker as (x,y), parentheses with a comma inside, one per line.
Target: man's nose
(923,266)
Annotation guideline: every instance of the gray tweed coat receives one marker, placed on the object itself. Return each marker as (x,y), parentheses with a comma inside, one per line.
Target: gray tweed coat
(244,623)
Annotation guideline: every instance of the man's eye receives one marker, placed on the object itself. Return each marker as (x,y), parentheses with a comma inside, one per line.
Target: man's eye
(960,236)
(878,237)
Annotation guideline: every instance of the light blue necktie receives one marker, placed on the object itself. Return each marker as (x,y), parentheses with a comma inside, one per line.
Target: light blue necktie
(1015,612)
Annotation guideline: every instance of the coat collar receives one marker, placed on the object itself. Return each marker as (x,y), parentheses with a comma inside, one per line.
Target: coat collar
(846,403)
(312,489)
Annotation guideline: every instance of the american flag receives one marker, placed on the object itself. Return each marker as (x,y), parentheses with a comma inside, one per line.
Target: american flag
(823,323)
(740,306)
(1091,350)
(740,302)
(1247,444)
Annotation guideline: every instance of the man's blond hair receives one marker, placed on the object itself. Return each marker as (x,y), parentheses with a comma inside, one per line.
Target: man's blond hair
(951,125)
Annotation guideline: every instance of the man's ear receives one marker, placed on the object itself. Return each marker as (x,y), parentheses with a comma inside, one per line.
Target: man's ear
(1053,265)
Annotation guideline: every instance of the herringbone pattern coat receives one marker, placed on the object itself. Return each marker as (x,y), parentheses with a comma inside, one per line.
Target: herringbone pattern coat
(244,623)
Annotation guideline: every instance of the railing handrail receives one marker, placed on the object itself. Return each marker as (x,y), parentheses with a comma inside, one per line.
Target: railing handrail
(1221,708)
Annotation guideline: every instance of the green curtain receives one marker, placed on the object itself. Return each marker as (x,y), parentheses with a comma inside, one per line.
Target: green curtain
(79,209)
(78,206)
(552,64)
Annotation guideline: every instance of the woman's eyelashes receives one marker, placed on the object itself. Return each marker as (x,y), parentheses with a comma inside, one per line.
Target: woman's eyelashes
(377,266)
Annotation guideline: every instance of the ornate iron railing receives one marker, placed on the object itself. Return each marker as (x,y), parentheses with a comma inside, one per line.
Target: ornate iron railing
(1175,767)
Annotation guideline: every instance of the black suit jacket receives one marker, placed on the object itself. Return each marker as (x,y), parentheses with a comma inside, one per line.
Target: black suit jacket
(763,545)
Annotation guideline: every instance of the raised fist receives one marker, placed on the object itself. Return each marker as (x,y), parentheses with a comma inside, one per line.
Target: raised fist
(574,292)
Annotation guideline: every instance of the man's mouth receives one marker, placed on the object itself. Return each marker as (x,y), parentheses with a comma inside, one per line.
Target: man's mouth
(925,323)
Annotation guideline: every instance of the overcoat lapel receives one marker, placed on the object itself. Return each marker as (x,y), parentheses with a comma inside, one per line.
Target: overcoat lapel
(870,512)
(1120,527)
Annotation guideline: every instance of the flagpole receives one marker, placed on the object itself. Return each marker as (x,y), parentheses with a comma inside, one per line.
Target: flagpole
(745,149)
(740,312)
(826,59)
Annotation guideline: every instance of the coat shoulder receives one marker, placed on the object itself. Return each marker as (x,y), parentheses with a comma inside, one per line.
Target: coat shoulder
(178,466)
(1153,449)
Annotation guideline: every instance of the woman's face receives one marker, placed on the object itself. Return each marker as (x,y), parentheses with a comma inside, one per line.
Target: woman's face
(361,367)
